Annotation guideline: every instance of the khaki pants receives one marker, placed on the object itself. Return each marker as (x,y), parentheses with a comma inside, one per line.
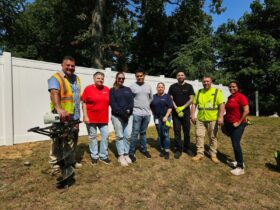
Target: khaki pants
(60,147)
(212,129)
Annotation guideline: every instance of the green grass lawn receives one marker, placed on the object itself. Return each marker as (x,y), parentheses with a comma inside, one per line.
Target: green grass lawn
(148,184)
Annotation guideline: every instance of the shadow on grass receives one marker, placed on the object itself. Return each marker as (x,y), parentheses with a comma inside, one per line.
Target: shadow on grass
(80,151)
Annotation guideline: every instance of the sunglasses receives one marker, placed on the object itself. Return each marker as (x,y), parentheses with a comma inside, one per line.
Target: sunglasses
(121,78)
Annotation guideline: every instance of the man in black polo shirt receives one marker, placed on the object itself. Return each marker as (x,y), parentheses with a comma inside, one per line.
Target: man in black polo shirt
(182,95)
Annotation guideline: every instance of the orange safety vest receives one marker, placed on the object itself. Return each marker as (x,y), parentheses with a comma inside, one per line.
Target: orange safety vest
(66,95)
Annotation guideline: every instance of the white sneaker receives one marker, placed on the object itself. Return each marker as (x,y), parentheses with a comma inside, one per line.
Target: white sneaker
(128,160)
(122,161)
(237,171)
(233,164)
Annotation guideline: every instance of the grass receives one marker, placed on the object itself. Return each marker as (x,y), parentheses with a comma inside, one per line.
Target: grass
(148,184)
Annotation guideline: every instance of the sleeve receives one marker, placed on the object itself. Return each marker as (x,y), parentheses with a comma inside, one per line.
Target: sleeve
(243,100)
(151,94)
(113,102)
(131,100)
(53,84)
(170,90)
(192,93)
(169,102)
(152,105)
(195,98)
(220,97)
(84,95)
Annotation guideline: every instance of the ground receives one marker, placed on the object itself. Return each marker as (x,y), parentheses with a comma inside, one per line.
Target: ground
(148,184)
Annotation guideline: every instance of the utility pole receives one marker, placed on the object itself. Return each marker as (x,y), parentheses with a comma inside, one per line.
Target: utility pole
(257,103)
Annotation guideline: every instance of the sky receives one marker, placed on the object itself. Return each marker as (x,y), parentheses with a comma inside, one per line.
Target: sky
(234,10)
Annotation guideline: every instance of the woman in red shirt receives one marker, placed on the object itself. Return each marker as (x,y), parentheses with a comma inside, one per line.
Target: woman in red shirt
(237,109)
(95,114)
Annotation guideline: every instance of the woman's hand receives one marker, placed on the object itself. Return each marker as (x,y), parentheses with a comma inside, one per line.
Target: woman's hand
(236,124)
(164,119)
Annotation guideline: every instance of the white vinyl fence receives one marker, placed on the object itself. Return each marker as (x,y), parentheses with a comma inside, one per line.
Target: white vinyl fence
(24,96)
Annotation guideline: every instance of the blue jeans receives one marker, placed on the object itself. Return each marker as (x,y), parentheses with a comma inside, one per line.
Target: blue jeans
(93,144)
(139,126)
(123,133)
(163,135)
(235,136)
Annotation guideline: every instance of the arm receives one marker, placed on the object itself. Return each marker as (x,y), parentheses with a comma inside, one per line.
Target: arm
(85,115)
(113,103)
(193,109)
(55,98)
(221,114)
(181,108)
(167,114)
(244,114)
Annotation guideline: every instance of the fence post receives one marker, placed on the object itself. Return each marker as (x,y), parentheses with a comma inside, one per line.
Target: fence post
(8,100)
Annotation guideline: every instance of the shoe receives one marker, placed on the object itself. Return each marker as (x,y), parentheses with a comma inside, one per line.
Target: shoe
(215,159)
(78,165)
(197,158)
(132,158)
(146,154)
(122,161)
(94,161)
(237,171)
(177,155)
(233,164)
(189,152)
(106,161)
(166,156)
(128,160)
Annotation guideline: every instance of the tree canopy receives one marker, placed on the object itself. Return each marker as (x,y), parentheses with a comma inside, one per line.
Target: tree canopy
(130,34)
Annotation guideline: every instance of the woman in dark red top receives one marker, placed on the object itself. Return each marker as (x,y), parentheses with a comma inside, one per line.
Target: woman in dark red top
(237,109)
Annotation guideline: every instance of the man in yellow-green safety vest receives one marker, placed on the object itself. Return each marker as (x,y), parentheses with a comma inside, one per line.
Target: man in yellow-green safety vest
(65,94)
(209,102)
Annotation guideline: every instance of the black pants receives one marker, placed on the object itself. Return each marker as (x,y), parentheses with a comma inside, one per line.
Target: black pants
(235,136)
(183,122)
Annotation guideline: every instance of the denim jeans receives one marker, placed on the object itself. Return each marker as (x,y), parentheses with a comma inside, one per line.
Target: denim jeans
(123,133)
(93,144)
(235,136)
(139,126)
(163,135)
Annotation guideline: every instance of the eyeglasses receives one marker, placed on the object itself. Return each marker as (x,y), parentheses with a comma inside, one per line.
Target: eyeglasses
(121,78)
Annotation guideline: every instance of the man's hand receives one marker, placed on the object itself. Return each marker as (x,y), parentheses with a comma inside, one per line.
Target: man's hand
(193,120)
(236,124)
(64,116)
(86,119)
(164,119)
(220,120)
(180,109)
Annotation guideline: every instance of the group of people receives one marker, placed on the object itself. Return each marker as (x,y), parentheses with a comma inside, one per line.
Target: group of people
(131,109)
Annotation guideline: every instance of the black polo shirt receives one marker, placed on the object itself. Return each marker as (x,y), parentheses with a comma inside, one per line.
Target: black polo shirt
(181,93)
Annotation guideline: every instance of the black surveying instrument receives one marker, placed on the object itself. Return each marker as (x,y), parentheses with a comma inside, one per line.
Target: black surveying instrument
(64,133)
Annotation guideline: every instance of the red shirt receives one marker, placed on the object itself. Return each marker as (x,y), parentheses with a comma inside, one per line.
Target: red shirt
(234,107)
(97,102)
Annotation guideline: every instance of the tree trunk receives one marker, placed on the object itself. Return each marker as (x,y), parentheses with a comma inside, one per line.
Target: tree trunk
(97,33)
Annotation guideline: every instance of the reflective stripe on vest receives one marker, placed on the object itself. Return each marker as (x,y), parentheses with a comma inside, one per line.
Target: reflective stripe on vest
(214,101)
(66,95)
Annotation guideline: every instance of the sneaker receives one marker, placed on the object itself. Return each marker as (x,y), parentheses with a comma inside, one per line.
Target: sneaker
(237,171)
(233,164)
(128,160)
(78,165)
(215,159)
(94,161)
(146,154)
(197,158)
(122,161)
(106,161)
(177,154)
(132,158)
(166,155)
